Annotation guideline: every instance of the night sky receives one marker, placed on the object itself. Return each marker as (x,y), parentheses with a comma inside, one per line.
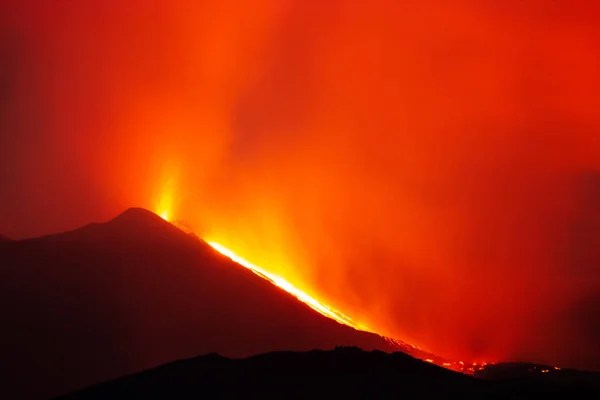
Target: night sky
(431,168)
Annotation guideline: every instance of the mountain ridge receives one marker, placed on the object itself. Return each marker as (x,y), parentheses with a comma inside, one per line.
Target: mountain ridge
(341,372)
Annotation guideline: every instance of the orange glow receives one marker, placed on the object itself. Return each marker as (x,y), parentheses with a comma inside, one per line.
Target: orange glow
(164,204)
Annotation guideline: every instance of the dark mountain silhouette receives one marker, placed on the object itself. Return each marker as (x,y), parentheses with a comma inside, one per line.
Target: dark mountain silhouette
(521,371)
(341,373)
(119,297)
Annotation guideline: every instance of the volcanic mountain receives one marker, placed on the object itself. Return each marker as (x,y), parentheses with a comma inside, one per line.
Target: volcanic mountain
(114,298)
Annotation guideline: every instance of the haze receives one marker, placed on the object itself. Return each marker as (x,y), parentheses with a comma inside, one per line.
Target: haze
(430,168)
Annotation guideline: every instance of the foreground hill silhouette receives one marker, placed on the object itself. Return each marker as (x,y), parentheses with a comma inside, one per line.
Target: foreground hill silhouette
(342,373)
(110,299)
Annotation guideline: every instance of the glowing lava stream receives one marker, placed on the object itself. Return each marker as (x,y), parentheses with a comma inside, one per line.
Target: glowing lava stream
(288,287)
(329,312)
(321,308)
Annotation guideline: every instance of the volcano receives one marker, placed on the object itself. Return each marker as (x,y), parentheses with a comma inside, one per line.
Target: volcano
(114,298)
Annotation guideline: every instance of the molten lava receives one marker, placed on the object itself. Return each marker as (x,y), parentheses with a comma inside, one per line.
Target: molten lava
(164,211)
(338,316)
(276,280)
(288,287)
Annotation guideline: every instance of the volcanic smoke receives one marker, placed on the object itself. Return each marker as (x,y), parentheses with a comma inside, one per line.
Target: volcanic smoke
(430,168)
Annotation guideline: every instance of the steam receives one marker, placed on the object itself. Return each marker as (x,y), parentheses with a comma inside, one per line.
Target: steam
(431,170)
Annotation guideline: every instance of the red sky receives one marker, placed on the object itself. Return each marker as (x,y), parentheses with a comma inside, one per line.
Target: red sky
(431,168)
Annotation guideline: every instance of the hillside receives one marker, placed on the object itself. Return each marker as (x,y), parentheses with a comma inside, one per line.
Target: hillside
(341,373)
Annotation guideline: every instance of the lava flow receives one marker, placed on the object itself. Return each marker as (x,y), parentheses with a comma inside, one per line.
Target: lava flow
(288,287)
(336,315)
(327,311)
(323,309)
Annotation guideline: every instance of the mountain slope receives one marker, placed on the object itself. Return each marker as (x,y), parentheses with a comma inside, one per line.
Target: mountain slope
(110,299)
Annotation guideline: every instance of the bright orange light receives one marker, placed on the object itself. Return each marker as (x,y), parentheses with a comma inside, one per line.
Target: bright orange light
(164,202)
(165,215)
